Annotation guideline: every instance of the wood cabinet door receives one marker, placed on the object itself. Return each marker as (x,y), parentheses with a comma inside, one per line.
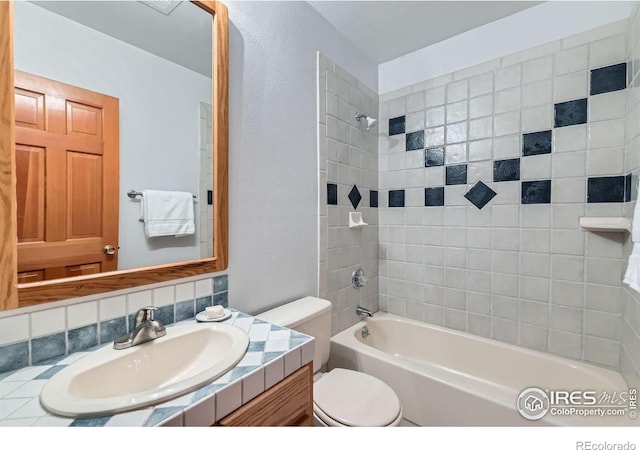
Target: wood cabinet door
(67,171)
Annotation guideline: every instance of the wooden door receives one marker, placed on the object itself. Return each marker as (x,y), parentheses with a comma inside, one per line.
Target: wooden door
(67,158)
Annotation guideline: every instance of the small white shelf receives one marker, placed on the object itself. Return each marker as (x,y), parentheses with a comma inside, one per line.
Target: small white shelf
(355,220)
(606,224)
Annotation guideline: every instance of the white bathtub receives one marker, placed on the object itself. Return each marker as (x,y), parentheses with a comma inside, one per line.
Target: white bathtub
(449,378)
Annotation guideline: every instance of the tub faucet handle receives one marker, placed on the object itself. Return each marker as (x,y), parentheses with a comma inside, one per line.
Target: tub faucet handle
(358,279)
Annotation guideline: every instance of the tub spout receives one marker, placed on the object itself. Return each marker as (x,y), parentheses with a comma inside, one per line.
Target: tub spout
(361,311)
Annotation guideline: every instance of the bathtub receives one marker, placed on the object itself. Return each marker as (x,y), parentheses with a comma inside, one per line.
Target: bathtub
(445,377)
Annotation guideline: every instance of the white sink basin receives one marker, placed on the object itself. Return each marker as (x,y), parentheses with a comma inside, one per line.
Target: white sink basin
(110,381)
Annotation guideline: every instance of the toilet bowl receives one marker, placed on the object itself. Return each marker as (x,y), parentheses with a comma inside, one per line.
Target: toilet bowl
(341,397)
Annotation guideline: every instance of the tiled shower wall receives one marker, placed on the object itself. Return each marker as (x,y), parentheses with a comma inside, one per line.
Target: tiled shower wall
(206,180)
(630,349)
(484,174)
(348,182)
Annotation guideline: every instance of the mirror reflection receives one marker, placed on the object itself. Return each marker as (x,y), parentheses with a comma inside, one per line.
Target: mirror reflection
(111,97)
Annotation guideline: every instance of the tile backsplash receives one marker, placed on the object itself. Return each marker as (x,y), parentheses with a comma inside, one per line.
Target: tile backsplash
(484,174)
(39,334)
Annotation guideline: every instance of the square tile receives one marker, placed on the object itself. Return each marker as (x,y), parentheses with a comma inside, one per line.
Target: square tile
(332,194)
(14,356)
(185,310)
(373,199)
(456,174)
(434,157)
(415,140)
(573,112)
(434,196)
(506,170)
(47,347)
(81,338)
(534,192)
(536,143)
(111,329)
(220,283)
(605,189)
(396,125)
(609,79)
(480,195)
(396,198)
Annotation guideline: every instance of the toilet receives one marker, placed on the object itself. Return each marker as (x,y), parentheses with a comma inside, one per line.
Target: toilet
(341,397)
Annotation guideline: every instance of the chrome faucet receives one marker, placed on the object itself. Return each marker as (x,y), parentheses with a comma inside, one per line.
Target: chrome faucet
(147,329)
(362,311)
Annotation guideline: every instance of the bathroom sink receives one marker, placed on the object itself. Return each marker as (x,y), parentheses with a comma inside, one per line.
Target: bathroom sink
(110,381)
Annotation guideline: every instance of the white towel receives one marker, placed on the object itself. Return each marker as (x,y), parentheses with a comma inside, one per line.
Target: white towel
(167,213)
(632,275)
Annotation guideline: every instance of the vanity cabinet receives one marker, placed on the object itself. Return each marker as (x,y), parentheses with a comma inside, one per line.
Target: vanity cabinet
(288,403)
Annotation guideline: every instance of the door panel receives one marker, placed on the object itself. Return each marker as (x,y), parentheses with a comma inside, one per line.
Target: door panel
(67,153)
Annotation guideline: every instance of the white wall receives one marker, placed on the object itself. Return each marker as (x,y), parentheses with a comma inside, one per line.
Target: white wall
(273,230)
(158,150)
(527,29)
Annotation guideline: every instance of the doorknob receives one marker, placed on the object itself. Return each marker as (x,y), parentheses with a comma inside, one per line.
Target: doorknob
(109,250)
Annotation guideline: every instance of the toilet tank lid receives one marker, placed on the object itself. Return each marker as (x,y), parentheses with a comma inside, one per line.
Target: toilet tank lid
(293,313)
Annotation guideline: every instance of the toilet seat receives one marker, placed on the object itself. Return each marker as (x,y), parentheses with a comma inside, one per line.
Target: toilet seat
(349,398)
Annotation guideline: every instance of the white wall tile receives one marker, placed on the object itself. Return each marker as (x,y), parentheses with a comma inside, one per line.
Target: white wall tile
(572,60)
(571,87)
(47,322)
(82,314)
(14,329)
(607,51)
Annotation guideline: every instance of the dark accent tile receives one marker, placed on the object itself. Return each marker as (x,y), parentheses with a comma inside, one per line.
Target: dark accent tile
(84,337)
(209,197)
(184,310)
(111,329)
(203,302)
(221,299)
(480,194)
(165,314)
(396,198)
(47,374)
(90,422)
(627,188)
(506,170)
(355,197)
(537,143)
(14,356)
(605,189)
(332,194)
(396,125)
(434,196)
(456,174)
(415,140)
(221,283)
(573,112)
(609,79)
(534,192)
(47,347)
(373,199)
(434,157)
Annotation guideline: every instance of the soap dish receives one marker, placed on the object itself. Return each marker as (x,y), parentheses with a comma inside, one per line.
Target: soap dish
(202,316)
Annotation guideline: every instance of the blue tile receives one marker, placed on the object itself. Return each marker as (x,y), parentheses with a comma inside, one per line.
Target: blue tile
(456,174)
(111,329)
(203,302)
(165,314)
(573,112)
(270,356)
(373,199)
(415,140)
(480,195)
(506,170)
(161,414)
(434,157)
(47,347)
(434,196)
(14,356)
(537,143)
(221,299)
(184,310)
(241,371)
(275,327)
(91,422)
(396,198)
(295,341)
(396,125)
(355,197)
(332,194)
(605,189)
(535,192)
(256,346)
(221,283)
(50,372)
(84,337)
(609,79)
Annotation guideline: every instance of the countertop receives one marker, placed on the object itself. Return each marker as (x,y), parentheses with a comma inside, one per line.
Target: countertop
(274,353)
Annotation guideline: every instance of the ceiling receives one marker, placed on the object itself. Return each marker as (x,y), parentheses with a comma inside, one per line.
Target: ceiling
(385,30)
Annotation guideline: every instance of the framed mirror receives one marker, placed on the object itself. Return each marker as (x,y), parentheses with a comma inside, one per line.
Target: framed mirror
(93,118)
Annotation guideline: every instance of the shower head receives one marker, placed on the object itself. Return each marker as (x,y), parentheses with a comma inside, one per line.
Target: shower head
(371,122)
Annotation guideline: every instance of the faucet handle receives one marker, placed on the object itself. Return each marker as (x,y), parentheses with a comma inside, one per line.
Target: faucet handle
(144,314)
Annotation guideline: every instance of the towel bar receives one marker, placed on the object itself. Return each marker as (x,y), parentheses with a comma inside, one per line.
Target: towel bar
(134,194)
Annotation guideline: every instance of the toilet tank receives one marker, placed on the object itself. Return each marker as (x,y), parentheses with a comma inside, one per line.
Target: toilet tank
(309,315)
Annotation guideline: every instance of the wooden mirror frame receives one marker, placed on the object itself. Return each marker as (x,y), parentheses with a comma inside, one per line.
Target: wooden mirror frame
(13,295)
